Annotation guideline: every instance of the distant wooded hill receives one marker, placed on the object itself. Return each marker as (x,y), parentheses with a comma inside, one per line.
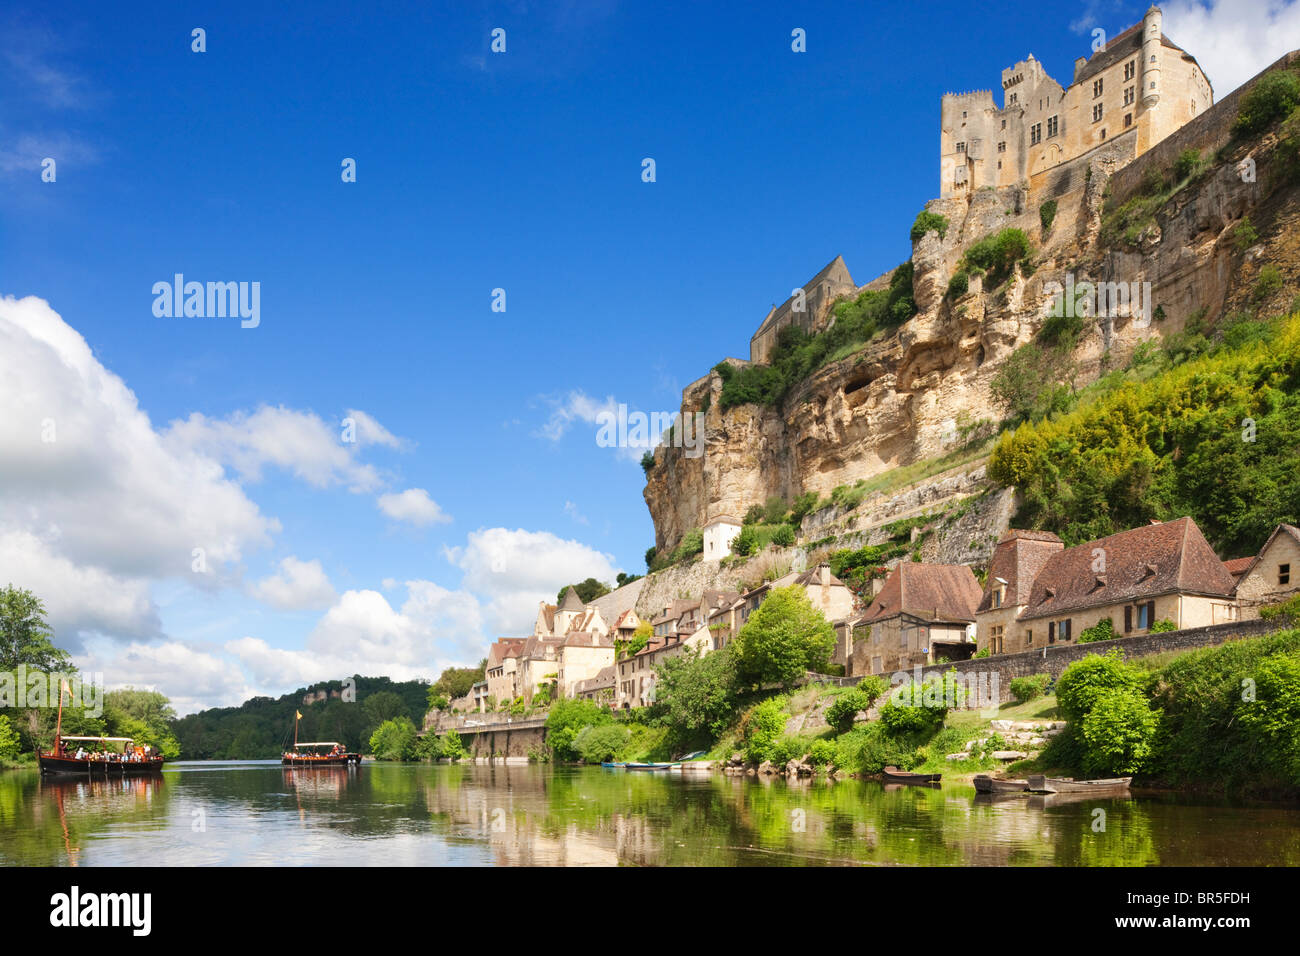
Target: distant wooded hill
(261,727)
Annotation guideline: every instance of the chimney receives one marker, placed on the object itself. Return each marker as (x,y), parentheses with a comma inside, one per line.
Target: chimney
(824,570)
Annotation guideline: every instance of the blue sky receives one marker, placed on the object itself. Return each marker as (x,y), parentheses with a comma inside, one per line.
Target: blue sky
(476,486)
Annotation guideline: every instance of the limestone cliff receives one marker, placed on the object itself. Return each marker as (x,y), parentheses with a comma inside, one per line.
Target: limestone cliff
(908,396)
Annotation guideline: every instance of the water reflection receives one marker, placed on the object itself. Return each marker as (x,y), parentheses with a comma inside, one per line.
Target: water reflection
(258,813)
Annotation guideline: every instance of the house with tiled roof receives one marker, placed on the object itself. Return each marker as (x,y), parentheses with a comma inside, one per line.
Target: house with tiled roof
(502,668)
(719,532)
(1017,558)
(1273,575)
(581,656)
(923,613)
(600,688)
(1159,572)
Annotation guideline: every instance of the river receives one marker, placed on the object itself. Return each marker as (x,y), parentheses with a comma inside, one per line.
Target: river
(256,813)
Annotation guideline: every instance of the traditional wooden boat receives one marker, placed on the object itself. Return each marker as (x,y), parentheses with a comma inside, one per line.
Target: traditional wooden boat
(97,757)
(1043,784)
(894,775)
(986,784)
(100,758)
(653,766)
(315,754)
(613,764)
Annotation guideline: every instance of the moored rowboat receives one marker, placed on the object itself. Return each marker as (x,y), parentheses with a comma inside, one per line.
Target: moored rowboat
(1043,784)
(986,784)
(894,775)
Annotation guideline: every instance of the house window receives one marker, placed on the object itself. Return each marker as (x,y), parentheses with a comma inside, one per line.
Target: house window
(961,147)
(963,114)
(1058,630)
(1129,95)
(1129,69)
(1002,146)
(1096,88)
(1139,616)
(1004,124)
(1103,134)
(1284,574)
(1096,113)
(1053,126)
(1029,638)
(1128,120)
(1015,98)
(995,639)
(1035,134)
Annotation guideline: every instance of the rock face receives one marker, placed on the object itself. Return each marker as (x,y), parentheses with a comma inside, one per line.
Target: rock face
(909,395)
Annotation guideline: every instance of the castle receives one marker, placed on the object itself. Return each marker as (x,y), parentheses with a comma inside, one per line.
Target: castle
(1134,91)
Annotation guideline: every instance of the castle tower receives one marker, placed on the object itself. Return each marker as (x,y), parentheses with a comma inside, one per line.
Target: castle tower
(1151,34)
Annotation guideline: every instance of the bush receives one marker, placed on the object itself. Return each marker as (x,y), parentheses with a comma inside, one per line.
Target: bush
(8,740)
(1187,164)
(1269,281)
(597,744)
(1046,215)
(927,221)
(647,461)
(783,536)
(1025,689)
(566,719)
(1084,681)
(1273,98)
(1285,610)
(760,729)
(983,652)
(754,515)
(696,696)
(1272,717)
(1162,625)
(394,740)
(821,753)
(1103,630)
(1117,733)
(907,712)
(1244,235)
(845,709)
(958,285)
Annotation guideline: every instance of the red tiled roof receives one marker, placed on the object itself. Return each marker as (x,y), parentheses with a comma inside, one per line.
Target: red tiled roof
(1238,566)
(932,592)
(1173,557)
(1017,559)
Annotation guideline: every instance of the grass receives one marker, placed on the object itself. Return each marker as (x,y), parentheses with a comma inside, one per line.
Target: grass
(896,478)
(1044,708)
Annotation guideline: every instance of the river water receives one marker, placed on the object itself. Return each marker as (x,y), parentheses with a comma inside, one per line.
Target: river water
(256,813)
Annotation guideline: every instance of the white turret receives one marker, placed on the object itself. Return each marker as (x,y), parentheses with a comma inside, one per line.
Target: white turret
(1151,52)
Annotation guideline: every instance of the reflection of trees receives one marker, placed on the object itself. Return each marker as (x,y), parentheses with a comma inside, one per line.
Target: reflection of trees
(46,821)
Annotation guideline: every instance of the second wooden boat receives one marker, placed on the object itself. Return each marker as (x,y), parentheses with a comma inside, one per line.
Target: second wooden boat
(1043,784)
(986,784)
(652,766)
(894,775)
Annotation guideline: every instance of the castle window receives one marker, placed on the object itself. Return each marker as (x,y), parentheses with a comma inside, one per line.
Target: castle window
(1129,69)
(1035,134)
(999,164)
(1004,124)
(1015,98)
(1053,126)
(1128,120)
(1129,95)
(1153,57)
(961,147)
(1096,113)
(1096,88)
(963,114)
(1153,84)
(1002,146)
(1103,134)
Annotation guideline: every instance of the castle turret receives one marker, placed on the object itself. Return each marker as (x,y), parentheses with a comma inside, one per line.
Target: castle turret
(1151,34)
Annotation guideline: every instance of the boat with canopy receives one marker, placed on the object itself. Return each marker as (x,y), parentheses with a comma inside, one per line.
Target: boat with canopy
(317,753)
(97,756)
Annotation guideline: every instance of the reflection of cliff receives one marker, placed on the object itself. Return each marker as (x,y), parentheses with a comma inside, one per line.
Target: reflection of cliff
(901,398)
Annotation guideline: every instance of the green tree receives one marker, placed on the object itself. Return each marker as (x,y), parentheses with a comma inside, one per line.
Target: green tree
(588,591)
(783,638)
(383,706)
(394,740)
(599,744)
(1117,733)
(9,741)
(1083,683)
(25,637)
(458,681)
(566,719)
(145,715)
(696,696)
(844,710)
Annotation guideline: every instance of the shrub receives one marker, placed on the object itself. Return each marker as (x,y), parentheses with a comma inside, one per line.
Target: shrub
(760,729)
(1117,733)
(958,285)
(1025,689)
(394,740)
(1163,625)
(1269,281)
(754,515)
(785,637)
(783,536)
(908,712)
(566,719)
(597,744)
(692,543)
(845,709)
(647,461)
(1187,164)
(1084,681)
(8,740)
(1244,235)
(927,221)
(696,696)
(1273,98)
(821,753)
(1046,214)
(1272,717)
(1103,630)
(1289,609)
(983,652)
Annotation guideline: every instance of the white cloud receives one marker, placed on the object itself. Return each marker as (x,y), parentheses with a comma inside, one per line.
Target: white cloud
(301,443)
(363,633)
(572,511)
(514,570)
(95,500)
(577,406)
(192,678)
(1232,40)
(370,432)
(413,506)
(296,586)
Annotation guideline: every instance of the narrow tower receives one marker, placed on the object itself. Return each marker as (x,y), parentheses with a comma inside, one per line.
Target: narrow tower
(1151,32)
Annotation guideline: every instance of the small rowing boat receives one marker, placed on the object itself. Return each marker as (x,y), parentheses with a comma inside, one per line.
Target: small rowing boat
(894,775)
(1043,784)
(652,766)
(986,784)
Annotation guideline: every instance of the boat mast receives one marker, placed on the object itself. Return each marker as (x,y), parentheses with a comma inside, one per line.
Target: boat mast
(58,727)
